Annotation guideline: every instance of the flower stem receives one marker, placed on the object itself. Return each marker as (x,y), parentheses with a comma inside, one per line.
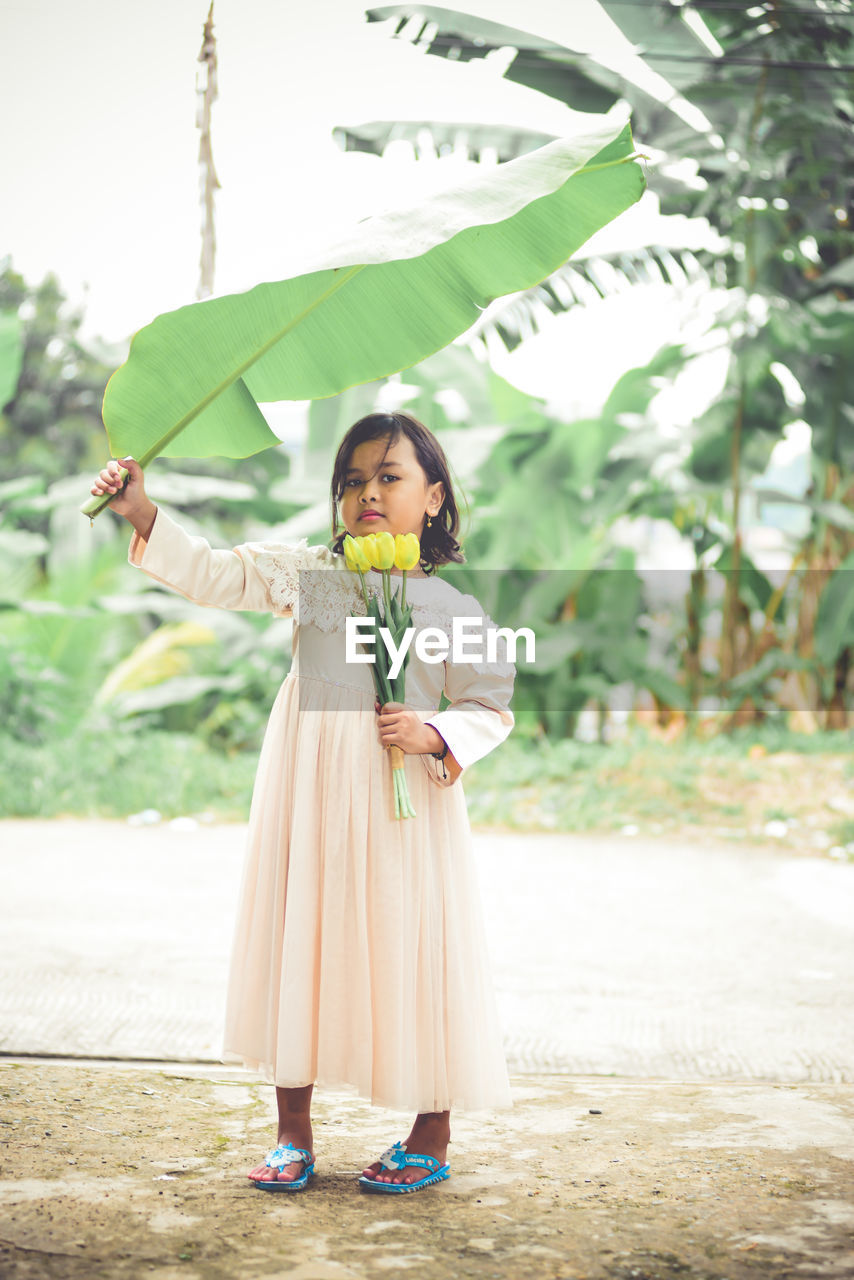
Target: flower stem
(389,620)
(381,686)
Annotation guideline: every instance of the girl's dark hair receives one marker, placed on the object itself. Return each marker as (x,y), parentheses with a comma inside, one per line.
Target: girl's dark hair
(438,543)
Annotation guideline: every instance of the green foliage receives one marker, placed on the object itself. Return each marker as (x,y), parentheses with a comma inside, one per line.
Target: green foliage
(546,492)
(539,783)
(82,657)
(51,416)
(549,494)
(834,624)
(66,654)
(10,355)
(532,783)
(778,111)
(109,771)
(221,692)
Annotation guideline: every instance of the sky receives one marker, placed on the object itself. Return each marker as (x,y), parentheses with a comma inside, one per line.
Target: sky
(99,156)
(100,150)
(101,160)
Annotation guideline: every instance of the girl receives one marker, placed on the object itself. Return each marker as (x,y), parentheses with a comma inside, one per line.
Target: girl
(359,955)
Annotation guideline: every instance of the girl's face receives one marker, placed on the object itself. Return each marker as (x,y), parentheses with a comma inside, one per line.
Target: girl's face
(388,494)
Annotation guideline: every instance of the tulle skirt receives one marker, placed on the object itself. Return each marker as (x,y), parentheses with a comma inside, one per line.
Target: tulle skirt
(359,954)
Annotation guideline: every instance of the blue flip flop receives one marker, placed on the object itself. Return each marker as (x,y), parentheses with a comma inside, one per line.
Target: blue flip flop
(287,1154)
(396,1158)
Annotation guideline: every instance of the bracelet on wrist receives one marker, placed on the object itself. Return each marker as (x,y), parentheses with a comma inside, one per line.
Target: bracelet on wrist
(440,755)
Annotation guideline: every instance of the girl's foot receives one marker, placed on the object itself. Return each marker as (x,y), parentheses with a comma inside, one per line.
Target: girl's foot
(294,1108)
(289,1172)
(429,1136)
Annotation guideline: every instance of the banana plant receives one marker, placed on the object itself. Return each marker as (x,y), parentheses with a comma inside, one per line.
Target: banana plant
(402,286)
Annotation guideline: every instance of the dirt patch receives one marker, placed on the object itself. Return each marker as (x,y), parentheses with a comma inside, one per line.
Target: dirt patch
(811,796)
(126,1173)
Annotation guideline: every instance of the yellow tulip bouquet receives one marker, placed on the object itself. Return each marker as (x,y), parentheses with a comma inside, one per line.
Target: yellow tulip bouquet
(382,551)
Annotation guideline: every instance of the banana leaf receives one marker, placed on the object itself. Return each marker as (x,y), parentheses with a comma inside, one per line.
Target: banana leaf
(402,286)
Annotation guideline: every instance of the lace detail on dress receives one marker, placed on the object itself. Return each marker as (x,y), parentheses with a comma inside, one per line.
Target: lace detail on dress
(282,567)
(314,586)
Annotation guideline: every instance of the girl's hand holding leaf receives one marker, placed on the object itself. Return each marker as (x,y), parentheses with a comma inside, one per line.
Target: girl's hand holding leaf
(125,480)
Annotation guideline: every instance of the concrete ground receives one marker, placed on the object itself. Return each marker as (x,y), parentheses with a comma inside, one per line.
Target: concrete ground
(611,954)
(678,1025)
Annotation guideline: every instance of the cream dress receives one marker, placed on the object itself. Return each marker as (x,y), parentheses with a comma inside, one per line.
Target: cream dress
(359,956)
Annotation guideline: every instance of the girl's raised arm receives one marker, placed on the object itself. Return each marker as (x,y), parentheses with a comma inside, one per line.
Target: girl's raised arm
(220,579)
(169,555)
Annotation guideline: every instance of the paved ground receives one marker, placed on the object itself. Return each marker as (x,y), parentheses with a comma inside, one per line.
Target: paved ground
(611,954)
(677,1019)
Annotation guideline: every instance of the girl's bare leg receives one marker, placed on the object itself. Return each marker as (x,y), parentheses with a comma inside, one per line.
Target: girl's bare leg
(294,1107)
(429,1136)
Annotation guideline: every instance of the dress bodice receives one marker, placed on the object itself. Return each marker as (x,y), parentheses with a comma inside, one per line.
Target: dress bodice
(315,588)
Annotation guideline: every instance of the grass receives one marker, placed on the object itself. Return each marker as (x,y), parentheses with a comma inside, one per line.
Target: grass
(98,774)
(726,786)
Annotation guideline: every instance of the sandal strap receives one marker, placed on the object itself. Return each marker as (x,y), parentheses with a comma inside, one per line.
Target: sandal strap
(396,1158)
(288,1154)
(428,1162)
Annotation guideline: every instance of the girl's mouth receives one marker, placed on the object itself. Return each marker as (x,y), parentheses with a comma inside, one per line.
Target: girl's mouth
(370,515)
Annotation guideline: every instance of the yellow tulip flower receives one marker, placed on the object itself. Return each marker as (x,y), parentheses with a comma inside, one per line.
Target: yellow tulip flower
(355,555)
(385,549)
(407,550)
(349,556)
(369,546)
(362,560)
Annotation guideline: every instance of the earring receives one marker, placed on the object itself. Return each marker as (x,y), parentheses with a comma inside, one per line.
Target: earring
(429,522)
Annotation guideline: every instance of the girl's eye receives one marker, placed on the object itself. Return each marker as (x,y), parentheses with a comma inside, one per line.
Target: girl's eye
(354,483)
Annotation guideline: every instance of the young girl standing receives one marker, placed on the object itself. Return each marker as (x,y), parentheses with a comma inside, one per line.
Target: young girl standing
(359,955)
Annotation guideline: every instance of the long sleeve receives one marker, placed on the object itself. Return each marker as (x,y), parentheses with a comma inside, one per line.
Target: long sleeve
(479,717)
(223,579)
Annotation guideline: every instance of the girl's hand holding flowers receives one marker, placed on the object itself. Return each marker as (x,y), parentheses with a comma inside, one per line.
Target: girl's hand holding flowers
(400,726)
(402,731)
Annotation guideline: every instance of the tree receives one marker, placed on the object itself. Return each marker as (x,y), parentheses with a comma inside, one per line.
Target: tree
(765,111)
(47,424)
